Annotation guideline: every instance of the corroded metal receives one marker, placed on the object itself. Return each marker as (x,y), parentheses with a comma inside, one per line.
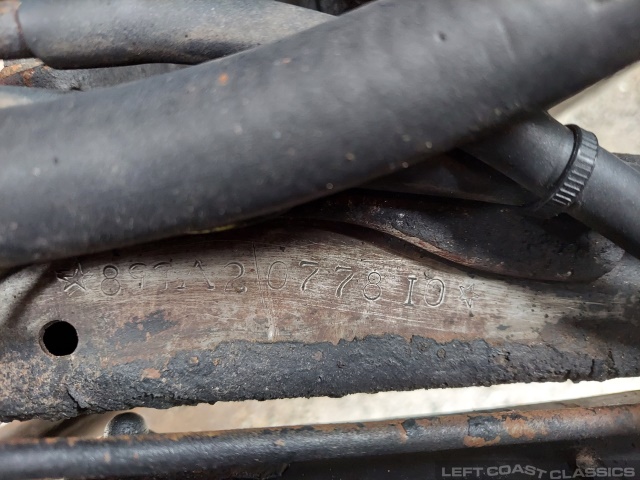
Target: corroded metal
(283,310)
(493,238)
(212,451)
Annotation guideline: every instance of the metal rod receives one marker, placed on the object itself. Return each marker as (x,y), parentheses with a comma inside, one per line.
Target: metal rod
(179,453)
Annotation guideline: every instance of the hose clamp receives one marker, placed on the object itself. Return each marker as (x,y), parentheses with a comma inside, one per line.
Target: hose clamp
(574,178)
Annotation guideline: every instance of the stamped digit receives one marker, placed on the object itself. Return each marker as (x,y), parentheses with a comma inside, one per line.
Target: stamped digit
(316,269)
(110,285)
(372,290)
(136,271)
(275,266)
(344,282)
(164,266)
(229,286)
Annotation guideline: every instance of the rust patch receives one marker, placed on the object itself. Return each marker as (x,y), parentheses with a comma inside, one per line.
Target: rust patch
(27,77)
(402,432)
(477,442)
(523,428)
(11,70)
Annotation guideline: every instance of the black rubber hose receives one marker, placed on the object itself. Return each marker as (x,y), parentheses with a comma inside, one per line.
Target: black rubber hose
(571,173)
(610,202)
(95,33)
(327,109)
(459,175)
(539,170)
(17,96)
(454,174)
(12,45)
(333,7)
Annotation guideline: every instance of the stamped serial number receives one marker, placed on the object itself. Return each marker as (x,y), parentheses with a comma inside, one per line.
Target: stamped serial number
(304,277)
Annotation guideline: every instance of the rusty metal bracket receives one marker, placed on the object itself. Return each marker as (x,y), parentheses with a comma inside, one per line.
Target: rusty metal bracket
(491,238)
(284,310)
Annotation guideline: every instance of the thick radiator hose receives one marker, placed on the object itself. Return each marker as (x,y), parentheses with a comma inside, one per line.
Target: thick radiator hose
(355,98)
(95,33)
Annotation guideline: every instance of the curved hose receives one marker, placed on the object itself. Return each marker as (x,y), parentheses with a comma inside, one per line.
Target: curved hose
(12,44)
(95,33)
(544,157)
(333,7)
(263,130)
(16,96)
(459,175)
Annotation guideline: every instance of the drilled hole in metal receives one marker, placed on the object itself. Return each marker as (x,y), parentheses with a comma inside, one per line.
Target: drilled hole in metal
(59,338)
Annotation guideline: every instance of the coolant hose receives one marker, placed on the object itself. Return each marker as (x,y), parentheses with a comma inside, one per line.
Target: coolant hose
(358,97)
(95,33)
(571,173)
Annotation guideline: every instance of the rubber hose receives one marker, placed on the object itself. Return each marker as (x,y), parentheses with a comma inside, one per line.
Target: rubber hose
(94,33)
(358,97)
(460,175)
(17,96)
(12,44)
(571,173)
(454,174)
(333,7)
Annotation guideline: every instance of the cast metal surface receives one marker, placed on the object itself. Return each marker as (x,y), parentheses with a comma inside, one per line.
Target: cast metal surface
(492,238)
(286,310)
(210,451)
